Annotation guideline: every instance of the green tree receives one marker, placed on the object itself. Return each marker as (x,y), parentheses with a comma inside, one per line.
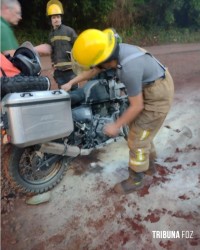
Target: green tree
(88,13)
(182,13)
(120,14)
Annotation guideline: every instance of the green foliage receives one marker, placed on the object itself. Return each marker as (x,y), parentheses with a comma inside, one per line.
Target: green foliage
(33,14)
(182,13)
(88,13)
(128,17)
(137,35)
(158,35)
(117,13)
(35,36)
(194,14)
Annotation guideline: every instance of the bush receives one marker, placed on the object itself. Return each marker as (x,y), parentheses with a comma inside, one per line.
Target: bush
(35,36)
(159,35)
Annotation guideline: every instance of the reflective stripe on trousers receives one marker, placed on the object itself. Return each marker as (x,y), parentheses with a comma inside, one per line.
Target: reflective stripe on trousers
(145,127)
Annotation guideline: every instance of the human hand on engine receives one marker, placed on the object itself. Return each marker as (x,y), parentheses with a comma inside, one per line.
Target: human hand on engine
(111,129)
(67,86)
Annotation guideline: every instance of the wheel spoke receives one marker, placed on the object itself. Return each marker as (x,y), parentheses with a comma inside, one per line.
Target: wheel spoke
(30,170)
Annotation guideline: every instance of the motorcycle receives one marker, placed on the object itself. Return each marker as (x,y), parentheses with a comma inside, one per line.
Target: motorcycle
(38,165)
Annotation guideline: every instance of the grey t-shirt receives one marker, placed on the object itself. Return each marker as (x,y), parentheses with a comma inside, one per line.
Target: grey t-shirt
(137,72)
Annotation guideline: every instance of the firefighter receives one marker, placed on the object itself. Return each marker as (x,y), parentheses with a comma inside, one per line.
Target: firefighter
(150,91)
(61,40)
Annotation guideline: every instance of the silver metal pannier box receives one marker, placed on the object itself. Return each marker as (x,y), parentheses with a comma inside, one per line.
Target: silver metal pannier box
(37,117)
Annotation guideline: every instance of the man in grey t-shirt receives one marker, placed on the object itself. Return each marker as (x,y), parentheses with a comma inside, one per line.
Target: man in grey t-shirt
(150,91)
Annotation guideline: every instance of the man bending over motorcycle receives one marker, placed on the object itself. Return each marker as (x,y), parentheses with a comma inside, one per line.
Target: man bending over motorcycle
(150,90)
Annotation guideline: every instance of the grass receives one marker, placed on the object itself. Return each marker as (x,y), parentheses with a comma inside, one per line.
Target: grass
(158,36)
(36,36)
(138,35)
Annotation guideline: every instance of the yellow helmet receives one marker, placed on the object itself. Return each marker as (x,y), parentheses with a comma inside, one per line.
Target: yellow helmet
(93,47)
(54,7)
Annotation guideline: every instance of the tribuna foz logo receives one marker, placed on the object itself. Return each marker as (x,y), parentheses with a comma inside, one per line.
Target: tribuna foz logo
(172,234)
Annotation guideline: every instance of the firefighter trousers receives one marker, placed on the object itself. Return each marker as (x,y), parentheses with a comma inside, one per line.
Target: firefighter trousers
(158,98)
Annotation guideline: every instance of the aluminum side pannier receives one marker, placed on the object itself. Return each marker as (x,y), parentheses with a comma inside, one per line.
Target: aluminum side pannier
(37,117)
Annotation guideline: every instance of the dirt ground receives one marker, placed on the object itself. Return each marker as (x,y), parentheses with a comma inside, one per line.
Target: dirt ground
(85,214)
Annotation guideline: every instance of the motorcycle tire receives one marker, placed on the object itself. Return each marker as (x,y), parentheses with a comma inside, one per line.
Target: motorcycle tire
(21,83)
(24,172)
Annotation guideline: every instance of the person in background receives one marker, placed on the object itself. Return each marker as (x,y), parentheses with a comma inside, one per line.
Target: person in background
(10,15)
(61,40)
(17,74)
(150,91)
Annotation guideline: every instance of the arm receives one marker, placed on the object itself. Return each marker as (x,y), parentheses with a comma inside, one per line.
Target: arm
(73,36)
(136,105)
(43,49)
(84,76)
(9,52)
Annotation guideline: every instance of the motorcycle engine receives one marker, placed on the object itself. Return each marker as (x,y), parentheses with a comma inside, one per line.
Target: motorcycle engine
(99,129)
(82,114)
(89,123)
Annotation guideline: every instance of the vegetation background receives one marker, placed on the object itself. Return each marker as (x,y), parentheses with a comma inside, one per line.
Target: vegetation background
(143,22)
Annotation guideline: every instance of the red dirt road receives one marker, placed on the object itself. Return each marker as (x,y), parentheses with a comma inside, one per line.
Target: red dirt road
(84,213)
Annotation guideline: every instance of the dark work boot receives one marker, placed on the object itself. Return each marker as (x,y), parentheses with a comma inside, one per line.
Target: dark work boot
(133,183)
(152,166)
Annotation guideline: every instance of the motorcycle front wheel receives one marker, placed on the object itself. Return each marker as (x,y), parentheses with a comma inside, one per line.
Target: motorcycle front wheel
(32,171)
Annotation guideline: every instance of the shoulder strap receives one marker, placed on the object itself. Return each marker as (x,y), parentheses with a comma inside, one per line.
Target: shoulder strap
(138,54)
(132,56)
(146,52)
(161,65)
